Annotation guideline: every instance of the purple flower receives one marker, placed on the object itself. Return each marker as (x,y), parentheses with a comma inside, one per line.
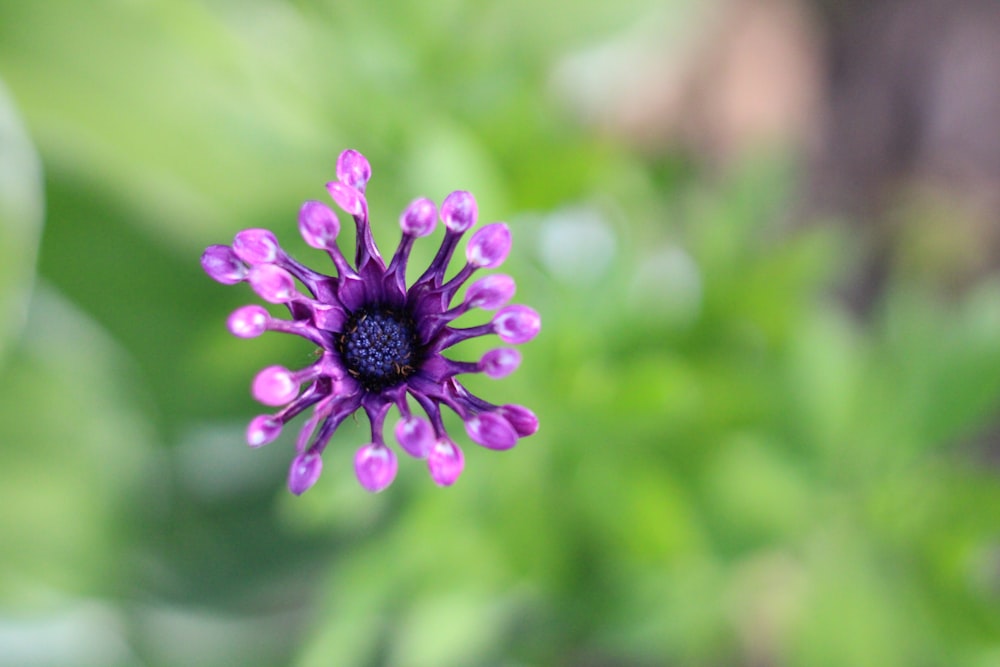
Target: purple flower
(381,343)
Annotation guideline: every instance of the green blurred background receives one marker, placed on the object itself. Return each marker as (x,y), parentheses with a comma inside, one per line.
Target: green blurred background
(768,378)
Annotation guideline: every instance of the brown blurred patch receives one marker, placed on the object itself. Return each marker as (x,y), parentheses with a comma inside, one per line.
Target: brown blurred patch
(893,104)
(717,82)
(910,148)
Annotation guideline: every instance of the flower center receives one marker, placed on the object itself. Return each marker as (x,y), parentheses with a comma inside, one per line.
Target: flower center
(379,347)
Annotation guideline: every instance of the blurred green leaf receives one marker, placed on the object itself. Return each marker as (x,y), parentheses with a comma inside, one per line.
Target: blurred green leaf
(76,452)
(21,211)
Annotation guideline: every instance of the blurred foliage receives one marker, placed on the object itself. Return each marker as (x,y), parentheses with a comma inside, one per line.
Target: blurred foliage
(731,469)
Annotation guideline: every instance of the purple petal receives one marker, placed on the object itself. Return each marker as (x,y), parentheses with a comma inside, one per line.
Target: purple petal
(500,363)
(490,292)
(445,462)
(521,418)
(517,324)
(248,321)
(459,211)
(275,385)
(415,436)
(304,472)
(262,430)
(489,247)
(491,430)
(308,428)
(375,466)
(353,169)
(222,265)
(318,225)
(328,317)
(256,246)
(346,197)
(419,218)
(272,283)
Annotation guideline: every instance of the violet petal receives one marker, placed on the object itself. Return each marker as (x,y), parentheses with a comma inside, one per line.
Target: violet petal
(304,471)
(491,430)
(459,211)
(489,246)
(445,462)
(375,466)
(222,265)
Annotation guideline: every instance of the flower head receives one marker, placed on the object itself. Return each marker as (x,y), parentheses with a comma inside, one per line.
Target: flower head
(381,343)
